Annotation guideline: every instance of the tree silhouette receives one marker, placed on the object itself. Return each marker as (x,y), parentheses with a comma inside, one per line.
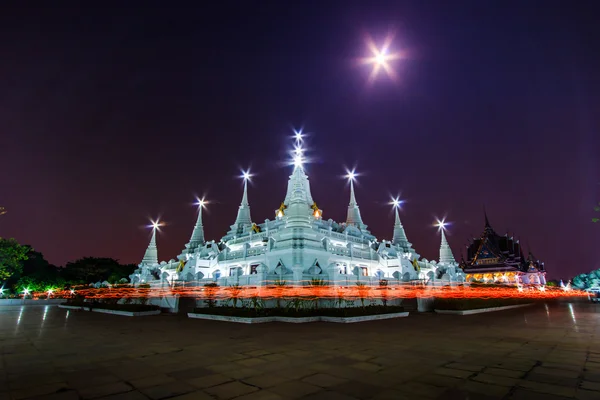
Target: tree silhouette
(12,255)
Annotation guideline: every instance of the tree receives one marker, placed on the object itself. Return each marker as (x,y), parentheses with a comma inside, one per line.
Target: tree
(37,275)
(12,256)
(597,208)
(95,269)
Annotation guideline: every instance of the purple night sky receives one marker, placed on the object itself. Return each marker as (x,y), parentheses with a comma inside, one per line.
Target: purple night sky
(110,116)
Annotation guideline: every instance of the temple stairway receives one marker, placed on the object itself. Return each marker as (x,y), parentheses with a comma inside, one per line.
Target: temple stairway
(186,305)
(410,305)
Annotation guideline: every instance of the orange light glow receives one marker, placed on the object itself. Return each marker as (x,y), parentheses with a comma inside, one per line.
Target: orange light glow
(403,290)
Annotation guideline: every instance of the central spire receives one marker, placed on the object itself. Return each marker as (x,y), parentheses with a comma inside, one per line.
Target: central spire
(399,237)
(151,255)
(243,218)
(198,232)
(298,186)
(353,217)
(446,255)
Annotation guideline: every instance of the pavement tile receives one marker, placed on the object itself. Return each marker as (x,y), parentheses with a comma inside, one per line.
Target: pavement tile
(495,379)
(230,390)
(393,394)
(457,394)
(380,379)
(258,353)
(296,373)
(522,394)
(209,380)
(265,380)
(562,366)
(329,395)
(420,389)
(466,367)
(358,389)
(587,395)
(151,381)
(484,388)
(439,380)
(589,385)
(94,392)
(260,395)
(564,373)
(66,395)
(168,390)
(505,372)
(273,357)
(454,373)
(37,390)
(191,373)
(251,362)
(324,380)
(548,388)
(360,356)
(222,367)
(242,373)
(365,366)
(553,379)
(591,376)
(133,395)
(197,395)
(80,381)
(294,389)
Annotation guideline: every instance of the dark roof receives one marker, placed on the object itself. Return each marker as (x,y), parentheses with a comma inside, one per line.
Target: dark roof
(494,252)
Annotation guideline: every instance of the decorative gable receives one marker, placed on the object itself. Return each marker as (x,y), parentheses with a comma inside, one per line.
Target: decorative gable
(485,255)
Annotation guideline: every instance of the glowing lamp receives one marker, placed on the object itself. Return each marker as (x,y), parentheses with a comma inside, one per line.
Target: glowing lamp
(396,202)
(298,161)
(351,175)
(246,175)
(441,224)
(298,135)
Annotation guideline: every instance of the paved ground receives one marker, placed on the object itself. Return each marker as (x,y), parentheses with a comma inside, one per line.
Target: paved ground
(532,353)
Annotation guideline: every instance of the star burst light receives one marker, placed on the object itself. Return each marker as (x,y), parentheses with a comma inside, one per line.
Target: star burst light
(396,202)
(246,175)
(298,158)
(380,58)
(298,161)
(201,202)
(155,225)
(298,136)
(441,224)
(351,175)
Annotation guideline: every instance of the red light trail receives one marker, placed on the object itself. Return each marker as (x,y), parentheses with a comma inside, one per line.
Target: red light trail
(402,291)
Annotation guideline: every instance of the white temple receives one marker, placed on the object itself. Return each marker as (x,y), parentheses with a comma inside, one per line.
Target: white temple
(297,247)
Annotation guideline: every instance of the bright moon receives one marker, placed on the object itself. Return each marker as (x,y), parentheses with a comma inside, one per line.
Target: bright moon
(380,59)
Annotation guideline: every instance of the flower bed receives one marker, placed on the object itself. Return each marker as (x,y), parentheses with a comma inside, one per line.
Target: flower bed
(298,313)
(133,308)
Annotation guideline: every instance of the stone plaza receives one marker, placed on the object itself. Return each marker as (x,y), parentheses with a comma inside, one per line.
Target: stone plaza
(547,352)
